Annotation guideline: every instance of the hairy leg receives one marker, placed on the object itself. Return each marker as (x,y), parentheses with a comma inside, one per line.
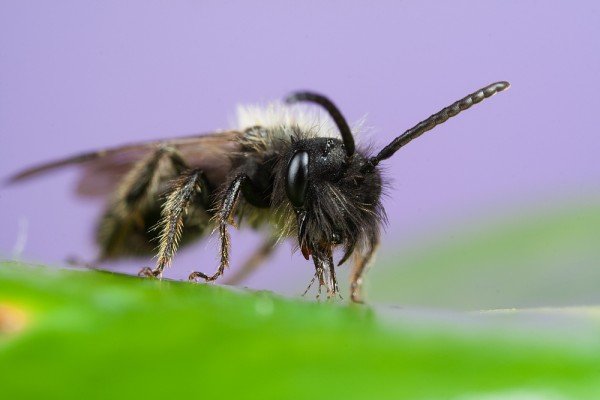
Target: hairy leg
(254,261)
(184,189)
(361,263)
(325,272)
(224,217)
(320,275)
(135,195)
(332,286)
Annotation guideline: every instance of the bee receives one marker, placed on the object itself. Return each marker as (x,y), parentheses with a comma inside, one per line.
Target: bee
(292,170)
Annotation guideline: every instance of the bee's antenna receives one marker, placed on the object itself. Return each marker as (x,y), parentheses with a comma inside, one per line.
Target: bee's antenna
(436,119)
(333,111)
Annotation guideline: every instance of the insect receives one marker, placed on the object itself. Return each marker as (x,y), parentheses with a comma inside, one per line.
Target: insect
(299,174)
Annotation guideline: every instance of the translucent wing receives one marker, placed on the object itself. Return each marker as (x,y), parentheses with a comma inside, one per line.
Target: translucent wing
(102,169)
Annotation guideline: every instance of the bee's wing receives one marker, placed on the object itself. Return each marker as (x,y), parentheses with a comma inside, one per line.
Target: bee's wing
(102,169)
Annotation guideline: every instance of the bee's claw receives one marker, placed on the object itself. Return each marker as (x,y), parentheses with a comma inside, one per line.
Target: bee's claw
(147,272)
(196,276)
(357,298)
(333,295)
(320,291)
(355,292)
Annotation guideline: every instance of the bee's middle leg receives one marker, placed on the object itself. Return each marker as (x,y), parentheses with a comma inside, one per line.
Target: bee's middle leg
(225,215)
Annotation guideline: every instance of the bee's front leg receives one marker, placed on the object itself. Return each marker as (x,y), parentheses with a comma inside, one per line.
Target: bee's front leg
(333,289)
(361,263)
(325,272)
(320,274)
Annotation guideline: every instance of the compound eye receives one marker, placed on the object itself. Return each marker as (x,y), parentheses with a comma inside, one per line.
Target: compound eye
(297,178)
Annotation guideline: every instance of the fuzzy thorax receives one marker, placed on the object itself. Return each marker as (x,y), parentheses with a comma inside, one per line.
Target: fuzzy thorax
(280,116)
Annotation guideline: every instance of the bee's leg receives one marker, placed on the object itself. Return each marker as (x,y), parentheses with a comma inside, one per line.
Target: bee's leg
(260,255)
(136,192)
(325,272)
(183,190)
(310,284)
(332,287)
(320,273)
(224,217)
(361,263)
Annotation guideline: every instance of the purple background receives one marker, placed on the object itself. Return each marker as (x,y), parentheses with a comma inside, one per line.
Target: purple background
(80,75)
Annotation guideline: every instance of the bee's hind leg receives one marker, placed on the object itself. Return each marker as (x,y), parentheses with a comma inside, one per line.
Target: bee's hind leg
(183,190)
(122,228)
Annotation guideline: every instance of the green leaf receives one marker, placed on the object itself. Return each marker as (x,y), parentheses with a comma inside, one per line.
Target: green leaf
(85,334)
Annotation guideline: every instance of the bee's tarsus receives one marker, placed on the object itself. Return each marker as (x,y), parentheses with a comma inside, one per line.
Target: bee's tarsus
(147,272)
(310,284)
(195,276)
(225,213)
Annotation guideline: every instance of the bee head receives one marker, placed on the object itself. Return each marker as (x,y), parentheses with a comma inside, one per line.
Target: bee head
(312,160)
(335,189)
(335,202)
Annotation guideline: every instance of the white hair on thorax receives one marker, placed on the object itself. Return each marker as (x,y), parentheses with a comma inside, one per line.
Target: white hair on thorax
(276,115)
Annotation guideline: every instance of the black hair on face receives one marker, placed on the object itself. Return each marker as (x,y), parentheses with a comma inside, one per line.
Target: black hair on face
(342,202)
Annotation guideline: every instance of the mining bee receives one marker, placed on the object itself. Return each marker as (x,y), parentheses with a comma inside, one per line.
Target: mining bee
(285,167)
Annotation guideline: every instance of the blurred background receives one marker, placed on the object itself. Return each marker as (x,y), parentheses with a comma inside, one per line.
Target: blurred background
(497,208)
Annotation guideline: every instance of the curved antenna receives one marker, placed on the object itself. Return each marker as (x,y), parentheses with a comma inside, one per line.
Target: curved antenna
(333,111)
(438,118)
